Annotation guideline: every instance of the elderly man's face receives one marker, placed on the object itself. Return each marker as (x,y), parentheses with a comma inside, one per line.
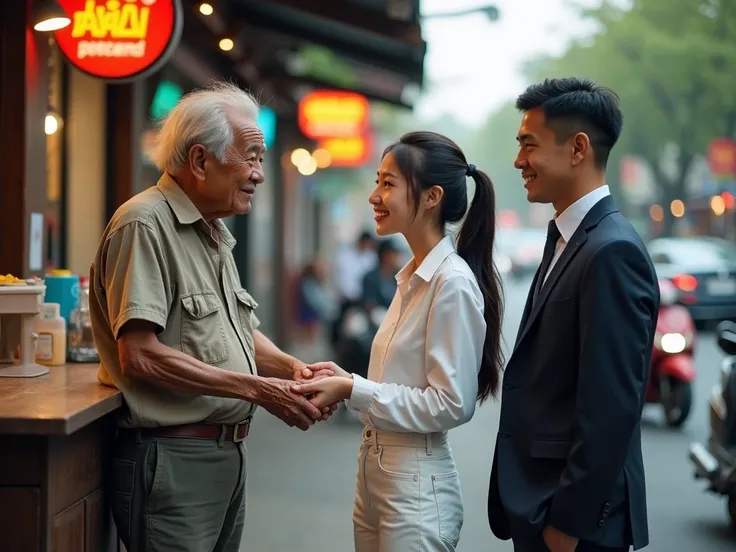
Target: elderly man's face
(227,188)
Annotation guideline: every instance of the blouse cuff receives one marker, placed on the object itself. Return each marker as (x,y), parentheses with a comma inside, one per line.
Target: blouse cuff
(362,395)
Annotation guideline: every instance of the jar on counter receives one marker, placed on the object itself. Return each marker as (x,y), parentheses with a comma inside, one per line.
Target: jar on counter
(51,330)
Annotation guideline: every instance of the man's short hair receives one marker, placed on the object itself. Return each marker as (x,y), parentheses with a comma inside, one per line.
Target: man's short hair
(573,105)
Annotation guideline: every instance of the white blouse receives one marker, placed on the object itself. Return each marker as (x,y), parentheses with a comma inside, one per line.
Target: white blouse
(425,358)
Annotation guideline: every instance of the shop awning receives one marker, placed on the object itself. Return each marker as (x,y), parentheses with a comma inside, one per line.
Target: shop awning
(373,47)
(384,33)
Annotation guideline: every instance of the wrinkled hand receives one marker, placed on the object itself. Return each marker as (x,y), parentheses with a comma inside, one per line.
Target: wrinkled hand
(334,369)
(276,397)
(557,541)
(327,391)
(301,373)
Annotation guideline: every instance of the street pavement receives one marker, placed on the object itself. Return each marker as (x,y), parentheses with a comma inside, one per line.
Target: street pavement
(300,485)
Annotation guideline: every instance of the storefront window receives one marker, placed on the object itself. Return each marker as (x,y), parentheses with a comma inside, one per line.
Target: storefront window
(53,127)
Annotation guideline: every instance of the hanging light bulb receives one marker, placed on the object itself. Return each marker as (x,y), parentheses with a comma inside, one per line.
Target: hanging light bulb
(49,16)
(226,44)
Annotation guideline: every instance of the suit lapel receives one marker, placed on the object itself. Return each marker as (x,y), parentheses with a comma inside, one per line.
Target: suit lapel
(601,209)
(577,240)
(527,306)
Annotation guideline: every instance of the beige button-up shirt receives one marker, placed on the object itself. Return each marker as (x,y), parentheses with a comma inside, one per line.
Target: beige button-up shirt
(159,261)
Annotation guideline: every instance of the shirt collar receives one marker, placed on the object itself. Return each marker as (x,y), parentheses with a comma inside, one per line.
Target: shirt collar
(569,220)
(430,264)
(186,212)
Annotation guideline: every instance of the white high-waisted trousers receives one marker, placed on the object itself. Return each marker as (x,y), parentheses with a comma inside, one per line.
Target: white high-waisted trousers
(408,496)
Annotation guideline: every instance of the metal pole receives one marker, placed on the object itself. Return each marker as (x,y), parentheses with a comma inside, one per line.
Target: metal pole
(492,12)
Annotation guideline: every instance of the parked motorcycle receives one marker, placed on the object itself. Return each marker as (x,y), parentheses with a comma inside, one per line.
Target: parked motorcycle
(355,338)
(716,462)
(672,368)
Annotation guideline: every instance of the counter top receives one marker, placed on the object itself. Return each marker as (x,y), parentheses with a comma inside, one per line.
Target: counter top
(61,402)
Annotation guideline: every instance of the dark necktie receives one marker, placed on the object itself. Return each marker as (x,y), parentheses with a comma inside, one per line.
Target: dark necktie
(553,235)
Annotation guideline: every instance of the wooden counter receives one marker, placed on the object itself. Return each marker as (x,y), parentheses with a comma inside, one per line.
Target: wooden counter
(65,400)
(54,434)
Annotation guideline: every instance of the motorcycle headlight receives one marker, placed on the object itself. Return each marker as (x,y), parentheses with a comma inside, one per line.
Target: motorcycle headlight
(726,367)
(672,343)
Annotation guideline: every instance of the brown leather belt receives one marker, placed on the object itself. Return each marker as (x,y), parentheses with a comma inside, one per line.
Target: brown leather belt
(233,432)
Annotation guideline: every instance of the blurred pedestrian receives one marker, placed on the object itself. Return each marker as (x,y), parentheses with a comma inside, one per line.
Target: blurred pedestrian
(315,304)
(351,264)
(379,284)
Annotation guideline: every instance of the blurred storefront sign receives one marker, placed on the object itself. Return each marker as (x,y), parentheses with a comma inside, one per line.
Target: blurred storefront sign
(333,114)
(354,151)
(120,40)
(637,184)
(508,218)
(167,95)
(722,157)
(267,123)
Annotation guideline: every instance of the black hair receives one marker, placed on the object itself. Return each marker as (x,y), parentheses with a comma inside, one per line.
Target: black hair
(386,247)
(573,105)
(429,159)
(365,236)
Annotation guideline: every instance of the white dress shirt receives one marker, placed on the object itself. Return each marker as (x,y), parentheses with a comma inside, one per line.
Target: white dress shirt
(570,219)
(425,358)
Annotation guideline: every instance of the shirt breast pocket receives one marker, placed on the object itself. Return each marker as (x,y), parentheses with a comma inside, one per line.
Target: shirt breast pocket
(202,331)
(246,307)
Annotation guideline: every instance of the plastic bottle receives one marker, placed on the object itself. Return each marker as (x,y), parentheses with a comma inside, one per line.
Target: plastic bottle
(81,342)
(51,329)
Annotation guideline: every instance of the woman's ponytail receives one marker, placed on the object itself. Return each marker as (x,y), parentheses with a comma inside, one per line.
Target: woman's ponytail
(475,246)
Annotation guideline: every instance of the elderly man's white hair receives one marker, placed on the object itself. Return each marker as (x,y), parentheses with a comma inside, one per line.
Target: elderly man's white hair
(201,117)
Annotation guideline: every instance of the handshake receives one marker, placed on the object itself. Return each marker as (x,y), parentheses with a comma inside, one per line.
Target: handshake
(311,395)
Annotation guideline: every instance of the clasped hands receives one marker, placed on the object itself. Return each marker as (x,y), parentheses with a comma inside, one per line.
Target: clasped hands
(312,394)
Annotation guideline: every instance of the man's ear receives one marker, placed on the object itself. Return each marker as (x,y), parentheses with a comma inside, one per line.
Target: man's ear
(580,148)
(197,159)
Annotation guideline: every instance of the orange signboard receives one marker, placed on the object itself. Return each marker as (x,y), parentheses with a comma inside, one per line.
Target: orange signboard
(722,157)
(333,114)
(120,40)
(353,151)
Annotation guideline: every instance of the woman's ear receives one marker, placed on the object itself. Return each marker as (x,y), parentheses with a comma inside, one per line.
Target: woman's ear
(433,196)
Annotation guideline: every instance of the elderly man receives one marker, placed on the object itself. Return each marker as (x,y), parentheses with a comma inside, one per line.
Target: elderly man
(177,334)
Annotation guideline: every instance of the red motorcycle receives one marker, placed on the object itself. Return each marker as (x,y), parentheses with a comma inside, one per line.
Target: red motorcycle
(673,367)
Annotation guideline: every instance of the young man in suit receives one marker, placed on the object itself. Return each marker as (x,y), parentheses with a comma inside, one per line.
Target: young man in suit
(567,471)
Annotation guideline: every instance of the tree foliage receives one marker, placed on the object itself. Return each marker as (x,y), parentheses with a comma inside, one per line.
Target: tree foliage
(673,64)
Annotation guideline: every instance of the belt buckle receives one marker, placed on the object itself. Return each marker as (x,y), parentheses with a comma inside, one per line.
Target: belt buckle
(236,429)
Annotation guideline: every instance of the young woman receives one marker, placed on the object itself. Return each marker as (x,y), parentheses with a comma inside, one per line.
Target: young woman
(437,352)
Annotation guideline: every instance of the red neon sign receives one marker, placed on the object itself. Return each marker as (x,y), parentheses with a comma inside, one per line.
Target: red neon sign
(353,151)
(120,40)
(333,114)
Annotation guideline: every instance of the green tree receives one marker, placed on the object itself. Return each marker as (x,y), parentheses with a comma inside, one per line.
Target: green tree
(494,149)
(673,64)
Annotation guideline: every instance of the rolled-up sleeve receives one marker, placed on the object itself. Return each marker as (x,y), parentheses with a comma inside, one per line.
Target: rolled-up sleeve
(453,352)
(134,276)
